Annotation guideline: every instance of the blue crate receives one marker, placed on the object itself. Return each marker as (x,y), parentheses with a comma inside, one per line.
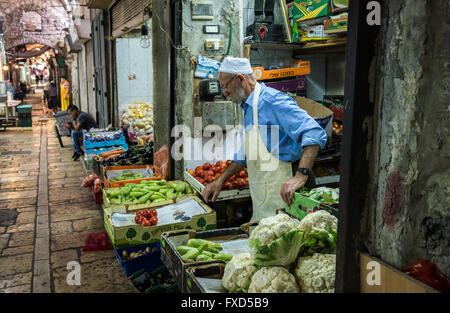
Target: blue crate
(149,261)
(119,142)
(97,144)
(105,143)
(97,151)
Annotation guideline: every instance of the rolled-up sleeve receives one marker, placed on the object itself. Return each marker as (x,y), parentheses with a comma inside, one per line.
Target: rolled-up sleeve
(239,156)
(296,123)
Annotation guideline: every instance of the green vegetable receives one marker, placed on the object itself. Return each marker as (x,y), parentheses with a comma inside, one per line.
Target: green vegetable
(203,257)
(188,190)
(180,187)
(136,194)
(155,197)
(197,243)
(282,251)
(113,193)
(184,249)
(319,241)
(224,257)
(191,255)
(144,198)
(153,187)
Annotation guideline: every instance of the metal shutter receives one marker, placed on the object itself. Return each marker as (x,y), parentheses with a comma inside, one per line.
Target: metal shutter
(125,10)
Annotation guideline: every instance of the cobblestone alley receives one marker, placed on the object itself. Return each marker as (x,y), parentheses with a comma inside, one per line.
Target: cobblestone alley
(45,215)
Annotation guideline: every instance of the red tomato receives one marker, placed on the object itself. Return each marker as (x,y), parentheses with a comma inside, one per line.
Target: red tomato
(154,221)
(137,219)
(230,180)
(205,183)
(228,162)
(201,180)
(217,175)
(153,213)
(242,174)
(209,173)
(198,170)
(223,164)
(226,186)
(218,163)
(207,166)
(240,182)
(210,179)
(146,223)
(202,174)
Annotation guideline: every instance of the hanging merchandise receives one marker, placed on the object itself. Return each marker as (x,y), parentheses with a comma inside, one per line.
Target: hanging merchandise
(264,28)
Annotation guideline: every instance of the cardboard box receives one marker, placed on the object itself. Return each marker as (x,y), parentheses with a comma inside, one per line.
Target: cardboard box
(307,9)
(290,7)
(313,33)
(319,112)
(112,172)
(132,235)
(336,104)
(178,267)
(338,6)
(336,25)
(213,273)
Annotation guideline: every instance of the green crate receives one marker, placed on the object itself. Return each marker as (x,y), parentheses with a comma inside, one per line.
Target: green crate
(24,108)
(26,122)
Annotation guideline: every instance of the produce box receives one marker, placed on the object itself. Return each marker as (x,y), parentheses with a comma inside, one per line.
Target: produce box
(205,278)
(136,234)
(112,172)
(314,33)
(292,85)
(336,25)
(336,104)
(157,281)
(319,112)
(302,206)
(223,195)
(306,9)
(148,261)
(233,241)
(109,205)
(338,6)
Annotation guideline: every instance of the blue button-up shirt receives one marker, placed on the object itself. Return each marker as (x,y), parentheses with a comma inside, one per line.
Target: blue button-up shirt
(279,112)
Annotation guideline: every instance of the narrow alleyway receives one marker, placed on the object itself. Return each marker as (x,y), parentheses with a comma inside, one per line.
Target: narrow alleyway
(45,215)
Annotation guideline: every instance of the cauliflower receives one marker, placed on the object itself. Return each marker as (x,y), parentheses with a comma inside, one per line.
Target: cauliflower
(316,274)
(269,229)
(320,220)
(238,273)
(273,280)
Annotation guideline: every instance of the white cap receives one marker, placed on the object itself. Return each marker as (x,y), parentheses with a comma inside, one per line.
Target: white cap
(236,66)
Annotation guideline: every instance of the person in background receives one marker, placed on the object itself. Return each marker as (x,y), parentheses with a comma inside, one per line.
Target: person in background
(81,120)
(65,93)
(53,98)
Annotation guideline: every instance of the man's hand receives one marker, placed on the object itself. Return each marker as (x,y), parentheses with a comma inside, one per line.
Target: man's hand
(212,189)
(289,187)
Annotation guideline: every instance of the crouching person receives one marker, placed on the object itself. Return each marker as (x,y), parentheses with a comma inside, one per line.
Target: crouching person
(81,120)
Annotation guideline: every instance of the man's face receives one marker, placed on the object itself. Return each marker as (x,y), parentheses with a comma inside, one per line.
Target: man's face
(232,87)
(73,113)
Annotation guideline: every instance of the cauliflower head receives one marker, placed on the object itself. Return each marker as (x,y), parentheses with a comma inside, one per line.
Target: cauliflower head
(238,273)
(269,229)
(316,274)
(273,280)
(319,220)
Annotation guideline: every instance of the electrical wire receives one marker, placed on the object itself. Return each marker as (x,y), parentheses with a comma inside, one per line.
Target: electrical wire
(229,36)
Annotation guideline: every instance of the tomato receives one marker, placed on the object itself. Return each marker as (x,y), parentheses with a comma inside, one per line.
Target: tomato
(211,179)
(201,180)
(146,223)
(217,175)
(234,185)
(153,213)
(209,173)
(218,163)
(230,180)
(137,219)
(207,166)
(191,172)
(240,182)
(223,164)
(198,170)
(154,221)
(205,183)
(226,186)
(242,174)
(228,162)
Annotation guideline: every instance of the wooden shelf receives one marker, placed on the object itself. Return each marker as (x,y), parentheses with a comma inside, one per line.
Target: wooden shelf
(312,47)
(274,45)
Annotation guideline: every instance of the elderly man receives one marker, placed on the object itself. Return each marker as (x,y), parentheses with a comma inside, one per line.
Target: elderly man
(299,139)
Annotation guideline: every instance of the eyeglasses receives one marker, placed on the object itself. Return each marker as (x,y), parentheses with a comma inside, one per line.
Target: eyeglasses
(227,84)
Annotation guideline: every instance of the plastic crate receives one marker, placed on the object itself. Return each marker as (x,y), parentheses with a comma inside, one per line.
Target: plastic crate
(100,150)
(99,144)
(154,285)
(25,122)
(148,262)
(25,108)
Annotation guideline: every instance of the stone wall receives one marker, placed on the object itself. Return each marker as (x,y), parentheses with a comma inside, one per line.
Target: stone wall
(408,216)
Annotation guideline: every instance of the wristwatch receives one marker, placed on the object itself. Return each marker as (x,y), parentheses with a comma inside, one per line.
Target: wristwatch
(304,171)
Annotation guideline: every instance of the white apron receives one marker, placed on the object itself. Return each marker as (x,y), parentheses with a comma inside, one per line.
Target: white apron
(266,173)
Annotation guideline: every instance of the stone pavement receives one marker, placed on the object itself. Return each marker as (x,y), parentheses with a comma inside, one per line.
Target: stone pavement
(45,215)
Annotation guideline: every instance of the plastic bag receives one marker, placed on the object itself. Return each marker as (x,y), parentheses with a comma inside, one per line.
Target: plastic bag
(429,274)
(161,162)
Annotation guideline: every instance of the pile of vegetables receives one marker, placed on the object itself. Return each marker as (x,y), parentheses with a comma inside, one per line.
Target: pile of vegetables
(207,173)
(135,155)
(128,256)
(128,176)
(139,116)
(111,154)
(324,195)
(147,217)
(148,191)
(202,250)
(286,256)
(92,182)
